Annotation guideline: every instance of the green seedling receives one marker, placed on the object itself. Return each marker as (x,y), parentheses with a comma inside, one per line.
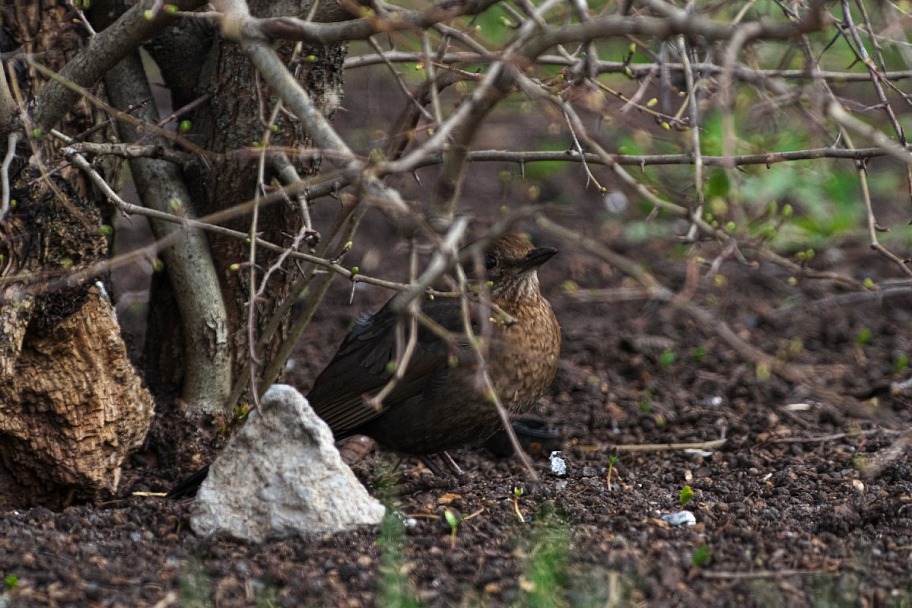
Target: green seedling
(11,581)
(611,470)
(702,556)
(901,364)
(863,337)
(685,495)
(394,586)
(453,520)
(517,493)
(666,358)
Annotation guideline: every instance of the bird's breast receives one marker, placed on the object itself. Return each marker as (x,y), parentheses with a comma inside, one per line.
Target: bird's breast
(524,356)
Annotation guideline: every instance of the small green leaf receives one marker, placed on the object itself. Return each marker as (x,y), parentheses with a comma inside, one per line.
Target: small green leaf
(702,556)
(451,518)
(686,494)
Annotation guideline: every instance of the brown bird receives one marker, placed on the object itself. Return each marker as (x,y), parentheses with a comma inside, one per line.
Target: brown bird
(439,404)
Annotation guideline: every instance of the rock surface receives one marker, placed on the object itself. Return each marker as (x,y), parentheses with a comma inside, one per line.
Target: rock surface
(281,476)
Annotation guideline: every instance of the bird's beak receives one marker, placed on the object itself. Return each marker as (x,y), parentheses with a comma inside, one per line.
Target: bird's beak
(536,258)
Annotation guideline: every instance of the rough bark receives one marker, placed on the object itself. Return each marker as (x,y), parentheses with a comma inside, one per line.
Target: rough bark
(232,119)
(71,404)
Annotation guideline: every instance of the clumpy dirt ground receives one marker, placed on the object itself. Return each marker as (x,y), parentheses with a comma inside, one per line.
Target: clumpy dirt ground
(784,515)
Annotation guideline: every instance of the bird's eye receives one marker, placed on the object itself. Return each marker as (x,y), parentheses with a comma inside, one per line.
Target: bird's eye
(490,262)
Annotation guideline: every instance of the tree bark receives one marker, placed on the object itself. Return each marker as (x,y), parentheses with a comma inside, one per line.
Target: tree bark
(233,118)
(71,404)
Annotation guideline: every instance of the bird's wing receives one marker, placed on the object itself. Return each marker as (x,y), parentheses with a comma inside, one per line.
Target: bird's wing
(362,366)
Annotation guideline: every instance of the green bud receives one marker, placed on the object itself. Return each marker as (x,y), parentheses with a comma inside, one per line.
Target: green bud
(451,518)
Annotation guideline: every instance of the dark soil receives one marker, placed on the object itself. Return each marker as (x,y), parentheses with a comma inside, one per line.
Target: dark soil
(782,509)
(784,514)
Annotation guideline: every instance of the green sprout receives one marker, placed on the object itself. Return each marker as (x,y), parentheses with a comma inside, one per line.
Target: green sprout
(517,493)
(666,358)
(702,556)
(453,520)
(863,337)
(612,472)
(901,364)
(11,581)
(685,495)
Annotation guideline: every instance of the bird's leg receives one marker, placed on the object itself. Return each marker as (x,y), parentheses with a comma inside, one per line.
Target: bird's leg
(431,462)
(454,468)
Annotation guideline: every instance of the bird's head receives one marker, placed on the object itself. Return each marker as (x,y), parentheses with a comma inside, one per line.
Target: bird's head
(510,266)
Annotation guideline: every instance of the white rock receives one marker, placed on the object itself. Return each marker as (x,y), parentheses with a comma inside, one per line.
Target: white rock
(281,476)
(681,518)
(558,464)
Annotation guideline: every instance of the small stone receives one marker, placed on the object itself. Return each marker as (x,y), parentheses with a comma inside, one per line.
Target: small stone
(681,518)
(558,464)
(281,476)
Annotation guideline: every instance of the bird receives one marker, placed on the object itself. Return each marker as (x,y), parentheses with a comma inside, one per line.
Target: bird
(440,402)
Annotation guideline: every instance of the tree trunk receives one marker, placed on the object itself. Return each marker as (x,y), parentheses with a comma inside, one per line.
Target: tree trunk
(71,404)
(233,118)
